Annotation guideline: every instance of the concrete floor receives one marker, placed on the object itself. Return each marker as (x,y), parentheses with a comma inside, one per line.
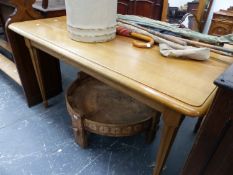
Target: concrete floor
(39,141)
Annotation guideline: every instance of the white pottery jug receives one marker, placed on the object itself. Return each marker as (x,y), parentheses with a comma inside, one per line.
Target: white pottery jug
(91,20)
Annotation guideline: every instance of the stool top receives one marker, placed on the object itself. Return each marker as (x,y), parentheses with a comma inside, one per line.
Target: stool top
(98,102)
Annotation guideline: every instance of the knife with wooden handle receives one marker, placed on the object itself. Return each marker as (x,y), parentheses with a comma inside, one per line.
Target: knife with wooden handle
(126,32)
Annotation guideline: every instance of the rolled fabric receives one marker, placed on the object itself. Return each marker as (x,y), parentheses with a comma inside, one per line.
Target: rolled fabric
(200,54)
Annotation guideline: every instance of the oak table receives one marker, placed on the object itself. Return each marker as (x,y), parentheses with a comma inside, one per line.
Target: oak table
(175,87)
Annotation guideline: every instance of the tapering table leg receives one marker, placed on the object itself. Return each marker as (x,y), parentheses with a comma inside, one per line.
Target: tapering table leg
(36,65)
(172,122)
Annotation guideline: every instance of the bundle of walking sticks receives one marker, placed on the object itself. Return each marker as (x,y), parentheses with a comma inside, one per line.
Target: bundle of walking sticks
(138,25)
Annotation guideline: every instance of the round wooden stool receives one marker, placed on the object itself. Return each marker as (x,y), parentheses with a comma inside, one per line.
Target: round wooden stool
(98,108)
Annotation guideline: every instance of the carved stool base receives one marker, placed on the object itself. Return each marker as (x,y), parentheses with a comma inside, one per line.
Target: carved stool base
(97,108)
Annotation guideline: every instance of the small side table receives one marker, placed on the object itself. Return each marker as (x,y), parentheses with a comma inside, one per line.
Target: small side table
(97,108)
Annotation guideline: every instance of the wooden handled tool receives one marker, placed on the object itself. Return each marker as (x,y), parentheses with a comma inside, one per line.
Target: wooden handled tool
(149,44)
(125,32)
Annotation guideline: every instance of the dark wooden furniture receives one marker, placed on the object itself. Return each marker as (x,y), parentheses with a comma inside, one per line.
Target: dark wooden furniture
(45,4)
(148,8)
(6,58)
(202,12)
(19,59)
(230,8)
(48,11)
(175,15)
(97,108)
(222,23)
(199,9)
(212,153)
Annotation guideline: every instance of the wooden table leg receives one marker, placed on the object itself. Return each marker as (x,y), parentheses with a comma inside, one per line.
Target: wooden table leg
(172,122)
(36,65)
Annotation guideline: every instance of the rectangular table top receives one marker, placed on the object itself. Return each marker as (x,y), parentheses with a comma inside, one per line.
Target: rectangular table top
(182,84)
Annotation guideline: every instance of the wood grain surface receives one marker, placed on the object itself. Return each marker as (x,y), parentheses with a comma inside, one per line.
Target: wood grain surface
(184,85)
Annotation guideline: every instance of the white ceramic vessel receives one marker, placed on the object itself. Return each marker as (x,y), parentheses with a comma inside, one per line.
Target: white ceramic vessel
(91,20)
